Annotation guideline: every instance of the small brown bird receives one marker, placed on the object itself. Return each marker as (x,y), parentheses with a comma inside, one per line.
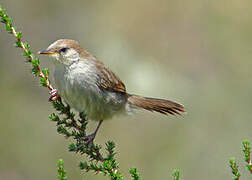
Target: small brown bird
(88,86)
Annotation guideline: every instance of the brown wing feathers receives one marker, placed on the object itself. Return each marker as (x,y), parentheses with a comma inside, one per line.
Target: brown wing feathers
(108,80)
(158,105)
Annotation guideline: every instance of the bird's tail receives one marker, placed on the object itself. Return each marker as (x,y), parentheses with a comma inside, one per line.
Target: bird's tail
(158,105)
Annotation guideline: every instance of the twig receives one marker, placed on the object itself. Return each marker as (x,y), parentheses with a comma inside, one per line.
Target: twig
(234,168)
(175,175)
(246,150)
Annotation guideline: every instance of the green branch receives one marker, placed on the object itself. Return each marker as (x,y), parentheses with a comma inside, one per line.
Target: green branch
(36,70)
(234,168)
(134,174)
(61,170)
(175,175)
(246,150)
(247,158)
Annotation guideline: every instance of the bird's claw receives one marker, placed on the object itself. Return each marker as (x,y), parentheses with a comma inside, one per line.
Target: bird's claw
(88,141)
(53,95)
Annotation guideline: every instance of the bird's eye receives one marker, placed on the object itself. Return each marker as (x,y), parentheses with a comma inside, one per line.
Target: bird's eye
(63,50)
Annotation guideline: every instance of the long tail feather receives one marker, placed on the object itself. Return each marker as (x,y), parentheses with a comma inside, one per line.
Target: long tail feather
(158,105)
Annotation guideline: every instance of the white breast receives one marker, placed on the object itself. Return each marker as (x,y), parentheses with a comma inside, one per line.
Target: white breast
(77,84)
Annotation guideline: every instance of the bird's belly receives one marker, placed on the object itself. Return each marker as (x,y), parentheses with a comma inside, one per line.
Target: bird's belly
(85,96)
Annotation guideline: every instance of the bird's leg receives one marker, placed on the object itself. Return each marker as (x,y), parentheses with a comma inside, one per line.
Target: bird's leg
(53,95)
(89,139)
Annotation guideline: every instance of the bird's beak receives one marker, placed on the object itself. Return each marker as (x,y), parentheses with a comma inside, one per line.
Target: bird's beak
(47,52)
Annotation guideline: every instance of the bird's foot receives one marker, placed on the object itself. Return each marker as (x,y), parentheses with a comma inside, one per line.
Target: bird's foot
(53,95)
(88,141)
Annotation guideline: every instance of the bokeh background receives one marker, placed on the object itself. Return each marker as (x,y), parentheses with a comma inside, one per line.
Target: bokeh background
(195,52)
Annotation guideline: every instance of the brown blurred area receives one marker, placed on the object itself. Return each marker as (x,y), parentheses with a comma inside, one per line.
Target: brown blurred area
(195,52)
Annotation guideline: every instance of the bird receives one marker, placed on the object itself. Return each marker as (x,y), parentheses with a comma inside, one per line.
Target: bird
(87,85)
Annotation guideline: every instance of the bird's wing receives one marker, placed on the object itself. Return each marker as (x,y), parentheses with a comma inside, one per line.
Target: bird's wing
(108,80)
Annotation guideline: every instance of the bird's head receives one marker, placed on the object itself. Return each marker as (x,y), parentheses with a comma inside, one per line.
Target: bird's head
(66,51)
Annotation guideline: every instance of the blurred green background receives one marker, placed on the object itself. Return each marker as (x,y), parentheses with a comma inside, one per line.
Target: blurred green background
(195,52)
